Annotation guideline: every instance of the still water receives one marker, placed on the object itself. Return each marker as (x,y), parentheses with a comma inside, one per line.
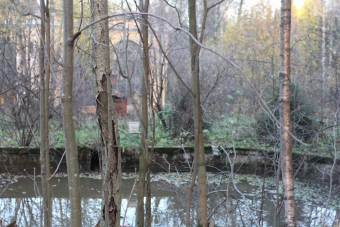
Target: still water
(20,201)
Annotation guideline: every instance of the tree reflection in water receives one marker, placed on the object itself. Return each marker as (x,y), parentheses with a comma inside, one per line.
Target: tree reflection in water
(20,203)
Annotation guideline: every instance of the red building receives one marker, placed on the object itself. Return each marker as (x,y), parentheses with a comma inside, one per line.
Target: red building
(120,104)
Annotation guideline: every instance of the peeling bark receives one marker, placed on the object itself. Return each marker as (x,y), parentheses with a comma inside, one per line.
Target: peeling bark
(110,153)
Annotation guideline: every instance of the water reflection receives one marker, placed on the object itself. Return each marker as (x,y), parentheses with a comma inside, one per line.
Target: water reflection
(21,202)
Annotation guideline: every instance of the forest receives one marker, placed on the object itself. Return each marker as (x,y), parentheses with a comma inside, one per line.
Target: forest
(169,113)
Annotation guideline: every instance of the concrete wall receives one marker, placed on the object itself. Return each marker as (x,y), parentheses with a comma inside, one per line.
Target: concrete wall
(26,160)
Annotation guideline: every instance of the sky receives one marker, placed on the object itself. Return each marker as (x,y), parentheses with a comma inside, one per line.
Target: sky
(277,3)
(298,3)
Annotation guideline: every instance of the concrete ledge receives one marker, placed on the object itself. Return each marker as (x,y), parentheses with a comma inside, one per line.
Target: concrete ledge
(24,159)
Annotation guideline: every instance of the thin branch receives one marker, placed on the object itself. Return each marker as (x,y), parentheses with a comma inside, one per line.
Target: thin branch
(170,63)
(18,85)
(132,190)
(266,107)
(23,14)
(174,7)
(234,184)
(212,6)
(57,167)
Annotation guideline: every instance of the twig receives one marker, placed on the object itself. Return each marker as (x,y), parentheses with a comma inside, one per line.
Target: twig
(9,176)
(19,84)
(266,107)
(57,167)
(132,190)
(24,14)
(36,189)
(170,63)
(235,187)
(178,14)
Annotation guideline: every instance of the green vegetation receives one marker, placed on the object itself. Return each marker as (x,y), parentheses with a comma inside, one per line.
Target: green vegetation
(239,131)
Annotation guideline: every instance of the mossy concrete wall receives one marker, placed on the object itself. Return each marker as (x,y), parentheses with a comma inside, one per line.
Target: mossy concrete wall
(25,160)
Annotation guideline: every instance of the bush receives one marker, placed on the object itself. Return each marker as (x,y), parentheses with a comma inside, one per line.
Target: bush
(304,125)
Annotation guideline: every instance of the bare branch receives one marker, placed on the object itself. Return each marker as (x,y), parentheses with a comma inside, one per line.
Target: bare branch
(170,63)
(267,109)
(174,7)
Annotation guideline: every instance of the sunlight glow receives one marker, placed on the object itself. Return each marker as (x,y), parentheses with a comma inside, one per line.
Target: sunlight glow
(298,3)
(276,4)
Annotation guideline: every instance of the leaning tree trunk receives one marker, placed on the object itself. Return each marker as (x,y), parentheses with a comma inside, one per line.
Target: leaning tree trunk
(110,154)
(70,139)
(286,140)
(197,115)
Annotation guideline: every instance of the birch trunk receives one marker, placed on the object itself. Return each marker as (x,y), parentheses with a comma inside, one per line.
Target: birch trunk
(70,139)
(286,141)
(110,154)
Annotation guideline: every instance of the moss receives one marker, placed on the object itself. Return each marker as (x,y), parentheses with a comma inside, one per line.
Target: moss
(199,224)
(178,150)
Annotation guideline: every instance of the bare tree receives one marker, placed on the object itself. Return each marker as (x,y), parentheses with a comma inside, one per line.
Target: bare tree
(286,127)
(197,115)
(144,123)
(44,91)
(146,164)
(70,140)
(239,13)
(18,88)
(323,58)
(110,155)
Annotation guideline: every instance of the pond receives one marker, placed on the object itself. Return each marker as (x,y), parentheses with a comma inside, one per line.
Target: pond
(20,201)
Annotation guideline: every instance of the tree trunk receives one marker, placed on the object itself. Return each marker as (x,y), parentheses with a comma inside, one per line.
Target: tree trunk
(286,141)
(323,59)
(143,154)
(197,115)
(110,154)
(70,139)
(145,92)
(239,14)
(46,106)
(44,144)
